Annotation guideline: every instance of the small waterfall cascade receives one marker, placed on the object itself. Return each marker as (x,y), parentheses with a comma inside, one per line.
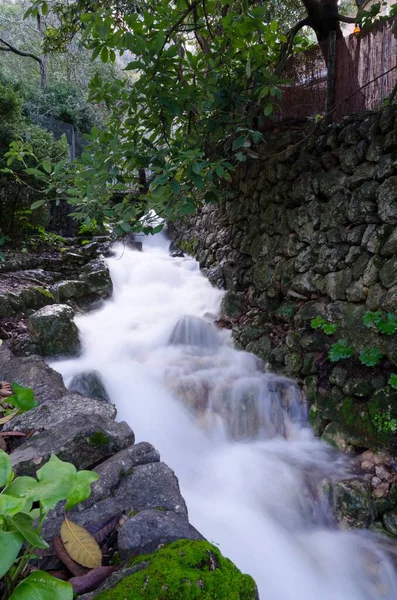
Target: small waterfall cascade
(249,467)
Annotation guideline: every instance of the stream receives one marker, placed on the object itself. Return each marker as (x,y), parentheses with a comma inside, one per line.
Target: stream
(249,467)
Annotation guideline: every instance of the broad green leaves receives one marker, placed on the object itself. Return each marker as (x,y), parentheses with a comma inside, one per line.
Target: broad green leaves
(42,586)
(339,351)
(188,95)
(22,398)
(5,468)
(24,524)
(57,481)
(83,488)
(10,546)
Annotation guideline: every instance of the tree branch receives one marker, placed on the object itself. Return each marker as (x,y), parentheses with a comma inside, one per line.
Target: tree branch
(286,50)
(10,48)
(348,19)
(172,30)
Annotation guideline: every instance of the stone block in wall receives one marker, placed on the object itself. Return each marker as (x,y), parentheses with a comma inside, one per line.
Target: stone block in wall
(362,207)
(265,245)
(391,141)
(375,149)
(334,212)
(350,134)
(356,293)
(369,126)
(349,159)
(291,245)
(363,173)
(378,238)
(376,297)
(354,253)
(371,273)
(302,188)
(306,284)
(336,284)
(329,258)
(390,246)
(332,182)
(390,300)
(387,201)
(387,119)
(306,259)
(361,150)
(263,276)
(387,166)
(388,273)
(355,234)
(360,265)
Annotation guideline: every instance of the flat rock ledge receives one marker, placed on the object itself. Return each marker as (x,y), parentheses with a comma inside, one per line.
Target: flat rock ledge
(134,485)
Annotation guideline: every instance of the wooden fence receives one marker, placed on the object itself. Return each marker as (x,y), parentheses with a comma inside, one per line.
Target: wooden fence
(365,62)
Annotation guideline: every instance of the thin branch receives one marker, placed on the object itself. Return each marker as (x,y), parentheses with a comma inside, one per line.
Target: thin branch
(348,19)
(10,48)
(286,50)
(171,31)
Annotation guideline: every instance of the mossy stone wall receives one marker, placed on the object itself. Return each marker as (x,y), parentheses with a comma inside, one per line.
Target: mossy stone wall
(311,229)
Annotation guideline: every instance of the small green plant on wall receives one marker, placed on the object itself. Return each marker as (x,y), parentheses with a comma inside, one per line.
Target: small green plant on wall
(385,324)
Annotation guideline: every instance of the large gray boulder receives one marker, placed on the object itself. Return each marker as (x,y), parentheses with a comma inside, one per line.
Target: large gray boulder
(96,276)
(32,372)
(149,529)
(119,466)
(54,331)
(83,440)
(57,411)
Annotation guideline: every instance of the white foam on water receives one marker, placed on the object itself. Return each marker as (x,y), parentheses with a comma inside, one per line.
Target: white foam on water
(248,466)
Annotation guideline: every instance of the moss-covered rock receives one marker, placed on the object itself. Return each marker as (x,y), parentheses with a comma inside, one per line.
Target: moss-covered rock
(184,570)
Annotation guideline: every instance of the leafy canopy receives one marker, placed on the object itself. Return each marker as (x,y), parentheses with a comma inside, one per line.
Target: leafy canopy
(197,85)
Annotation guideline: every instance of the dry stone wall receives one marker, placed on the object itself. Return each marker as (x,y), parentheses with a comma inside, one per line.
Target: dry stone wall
(311,229)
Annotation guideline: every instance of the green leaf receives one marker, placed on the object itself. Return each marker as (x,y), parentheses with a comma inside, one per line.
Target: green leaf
(47,166)
(135,65)
(329,328)
(10,545)
(24,524)
(22,398)
(23,487)
(104,54)
(370,357)
(37,204)
(241,142)
(317,322)
(211,196)
(42,586)
(371,317)
(5,468)
(9,505)
(268,110)
(387,325)
(57,481)
(45,9)
(339,351)
(84,481)
(393,381)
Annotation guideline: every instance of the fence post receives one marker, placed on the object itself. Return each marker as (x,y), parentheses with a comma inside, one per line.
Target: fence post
(330,96)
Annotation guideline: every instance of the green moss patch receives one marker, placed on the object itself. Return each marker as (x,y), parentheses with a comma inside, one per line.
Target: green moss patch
(184,570)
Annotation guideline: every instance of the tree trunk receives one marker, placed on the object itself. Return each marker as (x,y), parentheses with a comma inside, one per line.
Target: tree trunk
(323,18)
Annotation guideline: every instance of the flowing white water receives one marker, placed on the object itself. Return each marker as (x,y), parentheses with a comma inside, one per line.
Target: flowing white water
(248,466)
